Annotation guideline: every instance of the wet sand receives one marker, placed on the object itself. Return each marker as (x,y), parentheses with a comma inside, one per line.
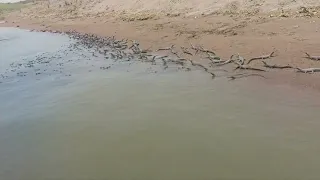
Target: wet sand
(289,37)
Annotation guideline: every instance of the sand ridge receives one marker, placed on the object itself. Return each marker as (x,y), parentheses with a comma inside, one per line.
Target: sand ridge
(80,8)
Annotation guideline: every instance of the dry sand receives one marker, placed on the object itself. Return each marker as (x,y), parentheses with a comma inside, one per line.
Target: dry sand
(248,27)
(163,7)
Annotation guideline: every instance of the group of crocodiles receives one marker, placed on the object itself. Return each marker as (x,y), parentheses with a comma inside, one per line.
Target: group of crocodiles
(130,50)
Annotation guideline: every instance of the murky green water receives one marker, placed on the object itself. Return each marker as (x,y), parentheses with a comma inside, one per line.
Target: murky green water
(78,122)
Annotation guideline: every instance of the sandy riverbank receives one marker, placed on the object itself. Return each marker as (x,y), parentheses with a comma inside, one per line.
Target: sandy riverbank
(234,29)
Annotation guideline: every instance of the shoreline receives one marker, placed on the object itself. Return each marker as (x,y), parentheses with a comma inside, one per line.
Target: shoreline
(247,37)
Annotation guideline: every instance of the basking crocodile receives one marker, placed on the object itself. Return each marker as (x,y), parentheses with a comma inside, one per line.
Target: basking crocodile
(315,58)
(308,70)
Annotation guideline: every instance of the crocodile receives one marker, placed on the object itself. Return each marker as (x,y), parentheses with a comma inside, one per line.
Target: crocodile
(261,57)
(308,70)
(315,58)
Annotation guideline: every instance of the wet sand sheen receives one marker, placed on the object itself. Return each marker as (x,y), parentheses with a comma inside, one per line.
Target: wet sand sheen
(139,125)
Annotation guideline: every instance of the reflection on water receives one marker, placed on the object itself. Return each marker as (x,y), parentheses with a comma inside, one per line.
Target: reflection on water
(128,123)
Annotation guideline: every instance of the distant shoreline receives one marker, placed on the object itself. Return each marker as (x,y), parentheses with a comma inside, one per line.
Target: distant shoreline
(11,1)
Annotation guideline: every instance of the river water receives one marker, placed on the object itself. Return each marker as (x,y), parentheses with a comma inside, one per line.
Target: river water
(64,116)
